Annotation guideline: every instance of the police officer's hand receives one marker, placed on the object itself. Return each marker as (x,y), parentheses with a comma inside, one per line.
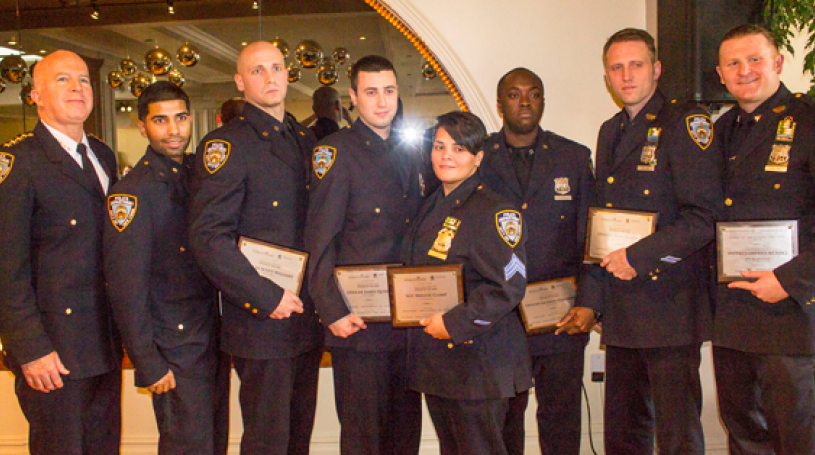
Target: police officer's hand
(347,326)
(164,384)
(577,320)
(44,373)
(289,304)
(766,287)
(434,326)
(616,263)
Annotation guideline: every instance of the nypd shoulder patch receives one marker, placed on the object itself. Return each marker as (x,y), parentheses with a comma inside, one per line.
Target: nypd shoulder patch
(322,159)
(514,266)
(216,153)
(510,226)
(122,209)
(700,130)
(6,161)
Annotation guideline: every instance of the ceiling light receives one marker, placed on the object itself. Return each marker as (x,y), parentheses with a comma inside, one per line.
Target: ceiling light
(170,8)
(13,40)
(42,51)
(95,13)
(244,43)
(362,37)
(255,5)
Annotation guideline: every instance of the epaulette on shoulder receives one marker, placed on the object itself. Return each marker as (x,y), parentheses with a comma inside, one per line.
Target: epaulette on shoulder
(95,137)
(805,99)
(19,138)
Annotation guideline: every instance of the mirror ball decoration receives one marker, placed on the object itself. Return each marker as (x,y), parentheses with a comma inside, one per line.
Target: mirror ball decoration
(138,84)
(309,53)
(13,69)
(128,66)
(2,85)
(176,78)
(428,72)
(341,55)
(327,73)
(25,95)
(116,78)
(282,45)
(350,67)
(294,72)
(188,55)
(158,61)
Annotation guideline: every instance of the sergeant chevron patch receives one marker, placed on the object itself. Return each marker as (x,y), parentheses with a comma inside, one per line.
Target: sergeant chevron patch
(514,266)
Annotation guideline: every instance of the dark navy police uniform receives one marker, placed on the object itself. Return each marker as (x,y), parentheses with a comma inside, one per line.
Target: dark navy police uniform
(554,205)
(250,180)
(53,293)
(469,379)
(164,307)
(364,195)
(663,161)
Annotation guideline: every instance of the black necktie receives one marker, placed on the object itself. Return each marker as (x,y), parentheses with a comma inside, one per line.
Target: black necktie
(89,170)
(743,129)
(521,164)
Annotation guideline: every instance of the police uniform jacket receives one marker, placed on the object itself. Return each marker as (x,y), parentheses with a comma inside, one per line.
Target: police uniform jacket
(668,303)
(250,180)
(486,357)
(53,294)
(363,197)
(163,305)
(754,192)
(554,206)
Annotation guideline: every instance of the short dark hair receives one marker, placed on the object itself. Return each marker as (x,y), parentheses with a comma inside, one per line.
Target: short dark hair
(502,82)
(158,92)
(465,128)
(749,30)
(369,64)
(231,108)
(632,34)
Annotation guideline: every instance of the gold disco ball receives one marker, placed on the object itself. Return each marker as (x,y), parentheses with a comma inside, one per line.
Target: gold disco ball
(116,78)
(294,72)
(176,78)
(2,85)
(341,55)
(282,45)
(138,84)
(13,69)
(309,53)
(158,61)
(128,66)
(188,55)
(427,71)
(350,67)
(327,73)
(25,95)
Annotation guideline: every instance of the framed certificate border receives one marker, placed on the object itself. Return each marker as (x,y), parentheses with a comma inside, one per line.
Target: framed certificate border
(547,328)
(246,241)
(454,269)
(650,217)
(720,253)
(362,268)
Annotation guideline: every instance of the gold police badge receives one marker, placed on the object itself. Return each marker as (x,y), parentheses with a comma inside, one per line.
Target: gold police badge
(6,161)
(215,154)
(122,209)
(443,242)
(323,158)
(510,226)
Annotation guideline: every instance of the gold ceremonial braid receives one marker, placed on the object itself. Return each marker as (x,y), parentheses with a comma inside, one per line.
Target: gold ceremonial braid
(420,45)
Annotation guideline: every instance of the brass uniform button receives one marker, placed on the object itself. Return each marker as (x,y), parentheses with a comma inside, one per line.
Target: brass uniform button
(407,221)
(525,206)
(73,222)
(274,204)
(265,133)
(777,186)
(608,204)
(611,180)
(255,311)
(180,326)
(277,128)
(449,345)
(68,311)
(377,210)
(246,305)
(654,277)
(728,202)
(495,146)
(646,192)
(562,217)
(182,249)
(175,170)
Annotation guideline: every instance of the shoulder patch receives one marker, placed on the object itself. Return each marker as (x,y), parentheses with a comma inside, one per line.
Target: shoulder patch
(323,158)
(122,209)
(509,226)
(6,161)
(700,130)
(216,153)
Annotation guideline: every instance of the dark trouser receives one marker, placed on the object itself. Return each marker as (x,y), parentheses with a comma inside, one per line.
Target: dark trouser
(469,427)
(767,402)
(278,398)
(648,388)
(191,418)
(84,417)
(378,414)
(223,384)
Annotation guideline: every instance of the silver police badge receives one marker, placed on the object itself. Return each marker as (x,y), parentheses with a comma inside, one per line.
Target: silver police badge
(215,155)
(6,161)
(509,225)
(122,209)
(562,189)
(700,130)
(323,159)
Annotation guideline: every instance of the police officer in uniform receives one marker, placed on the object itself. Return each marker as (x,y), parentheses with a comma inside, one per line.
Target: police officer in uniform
(470,360)
(163,305)
(250,181)
(764,338)
(655,156)
(55,321)
(550,179)
(363,197)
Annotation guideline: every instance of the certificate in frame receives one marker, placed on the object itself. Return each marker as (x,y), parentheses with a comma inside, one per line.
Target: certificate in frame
(283,266)
(365,290)
(612,229)
(546,302)
(753,246)
(417,293)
